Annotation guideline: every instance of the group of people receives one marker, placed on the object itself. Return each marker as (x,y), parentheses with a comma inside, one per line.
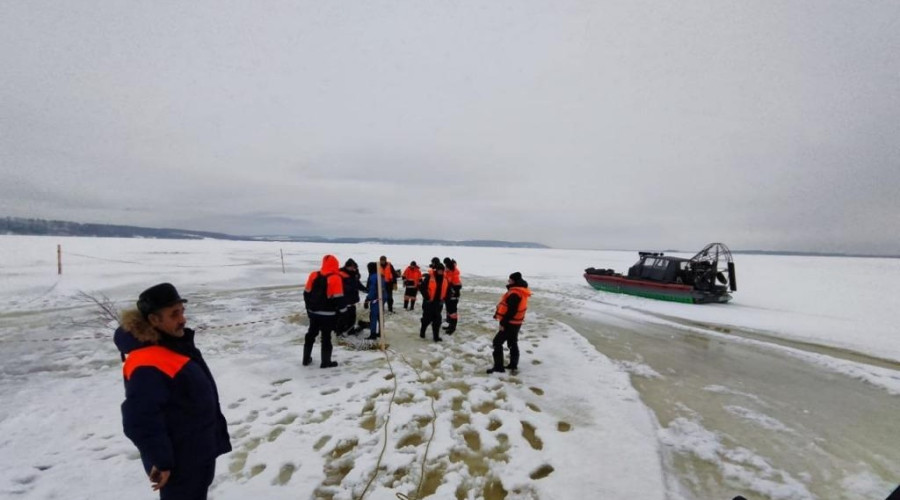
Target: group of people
(171,410)
(332,294)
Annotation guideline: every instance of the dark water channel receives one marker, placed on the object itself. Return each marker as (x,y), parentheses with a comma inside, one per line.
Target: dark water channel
(749,419)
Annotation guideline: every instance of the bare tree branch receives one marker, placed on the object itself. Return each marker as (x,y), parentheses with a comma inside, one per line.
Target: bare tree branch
(105,311)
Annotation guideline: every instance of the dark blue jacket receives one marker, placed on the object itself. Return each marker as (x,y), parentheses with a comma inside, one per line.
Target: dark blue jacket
(171,410)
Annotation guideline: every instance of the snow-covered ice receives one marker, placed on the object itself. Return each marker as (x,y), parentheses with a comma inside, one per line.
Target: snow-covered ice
(420,419)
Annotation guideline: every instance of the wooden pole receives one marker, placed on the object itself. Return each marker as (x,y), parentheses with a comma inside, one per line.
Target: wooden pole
(380,304)
(282,260)
(58,259)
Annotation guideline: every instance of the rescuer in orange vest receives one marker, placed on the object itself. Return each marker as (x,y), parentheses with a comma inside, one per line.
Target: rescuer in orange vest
(411,277)
(323,297)
(434,291)
(511,314)
(390,281)
(171,410)
(451,274)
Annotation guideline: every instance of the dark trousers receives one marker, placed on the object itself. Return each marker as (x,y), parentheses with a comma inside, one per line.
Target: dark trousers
(452,317)
(323,324)
(389,296)
(409,297)
(346,319)
(189,483)
(431,315)
(510,336)
(374,314)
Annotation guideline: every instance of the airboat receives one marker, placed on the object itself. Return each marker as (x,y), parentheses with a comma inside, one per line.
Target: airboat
(707,277)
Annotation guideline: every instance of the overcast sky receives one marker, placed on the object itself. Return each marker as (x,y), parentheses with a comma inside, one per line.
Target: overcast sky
(652,124)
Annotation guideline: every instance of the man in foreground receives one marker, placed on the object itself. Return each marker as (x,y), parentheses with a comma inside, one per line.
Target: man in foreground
(171,410)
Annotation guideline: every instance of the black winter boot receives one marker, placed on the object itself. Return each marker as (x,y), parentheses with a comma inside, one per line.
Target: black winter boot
(449,329)
(498,361)
(326,357)
(307,354)
(513,359)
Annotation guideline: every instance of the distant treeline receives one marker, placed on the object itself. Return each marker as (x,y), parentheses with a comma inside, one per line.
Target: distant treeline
(43,227)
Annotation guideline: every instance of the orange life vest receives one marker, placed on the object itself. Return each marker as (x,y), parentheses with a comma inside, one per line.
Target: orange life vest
(452,276)
(432,287)
(502,307)
(388,271)
(413,274)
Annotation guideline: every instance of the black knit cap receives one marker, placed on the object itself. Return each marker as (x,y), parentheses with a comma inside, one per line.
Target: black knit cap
(516,276)
(158,297)
(351,262)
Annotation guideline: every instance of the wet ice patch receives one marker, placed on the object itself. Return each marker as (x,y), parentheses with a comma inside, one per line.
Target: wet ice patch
(720,389)
(738,466)
(864,484)
(638,369)
(757,418)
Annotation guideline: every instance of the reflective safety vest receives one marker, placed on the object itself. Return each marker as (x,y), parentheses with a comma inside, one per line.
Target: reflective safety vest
(453,276)
(164,360)
(412,276)
(503,308)
(387,272)
(432,287)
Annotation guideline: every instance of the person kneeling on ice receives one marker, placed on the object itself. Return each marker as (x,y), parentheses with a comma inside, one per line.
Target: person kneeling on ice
(511,314)
(171,410)
(372,299)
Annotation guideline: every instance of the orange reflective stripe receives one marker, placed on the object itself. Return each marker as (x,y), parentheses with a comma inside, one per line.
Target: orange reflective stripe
(164,360)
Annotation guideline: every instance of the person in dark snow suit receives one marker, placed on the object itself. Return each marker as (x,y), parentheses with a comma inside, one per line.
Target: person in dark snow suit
(511,314)
(451,274)
(323,316)
(434,291)
(346,321)
(171,410)
(390,279)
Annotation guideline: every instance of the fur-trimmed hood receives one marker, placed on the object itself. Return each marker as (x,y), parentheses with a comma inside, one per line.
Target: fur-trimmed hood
(134,332)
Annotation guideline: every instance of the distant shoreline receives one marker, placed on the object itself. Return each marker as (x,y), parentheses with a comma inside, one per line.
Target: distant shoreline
(43,227)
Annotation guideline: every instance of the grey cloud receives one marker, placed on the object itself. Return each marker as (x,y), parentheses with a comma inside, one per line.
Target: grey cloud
(647,124)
